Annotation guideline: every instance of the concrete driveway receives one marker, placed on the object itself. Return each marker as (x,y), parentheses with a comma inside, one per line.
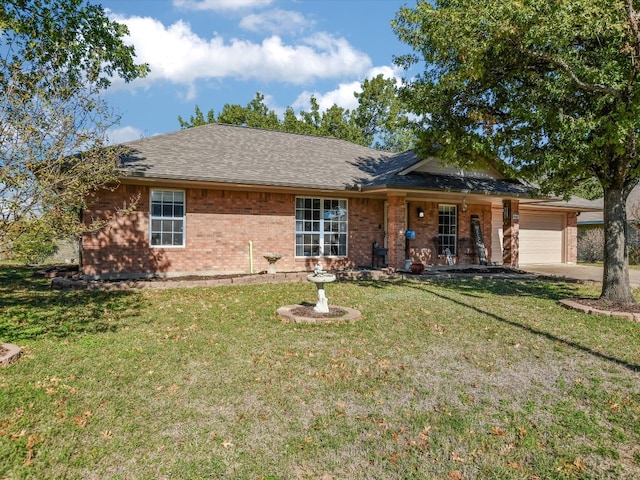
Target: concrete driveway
(577,272)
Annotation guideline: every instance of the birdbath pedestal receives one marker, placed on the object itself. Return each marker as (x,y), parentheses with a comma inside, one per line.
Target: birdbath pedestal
(272,258)
(320,277)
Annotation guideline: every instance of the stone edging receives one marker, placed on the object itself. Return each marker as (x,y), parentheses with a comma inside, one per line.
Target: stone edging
(351,315)
(572,304)
(9,354)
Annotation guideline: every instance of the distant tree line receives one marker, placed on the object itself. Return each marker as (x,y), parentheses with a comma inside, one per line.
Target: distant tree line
(380,121)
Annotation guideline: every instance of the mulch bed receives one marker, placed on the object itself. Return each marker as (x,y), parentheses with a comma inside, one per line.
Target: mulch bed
(309,312)
(604,305)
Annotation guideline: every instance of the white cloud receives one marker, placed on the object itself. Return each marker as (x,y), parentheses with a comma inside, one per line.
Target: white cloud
(343,96)
(176,54)
(123,134)
(276,21)
(220,5)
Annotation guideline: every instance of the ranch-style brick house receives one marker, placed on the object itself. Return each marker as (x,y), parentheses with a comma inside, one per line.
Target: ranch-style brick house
(215,199)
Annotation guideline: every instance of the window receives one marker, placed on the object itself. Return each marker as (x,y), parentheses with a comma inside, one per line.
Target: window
(321,227)
(167,218)
(447,229)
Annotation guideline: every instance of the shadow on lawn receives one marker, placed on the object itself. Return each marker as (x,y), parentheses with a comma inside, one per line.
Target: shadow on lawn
(29,308)
(553,291)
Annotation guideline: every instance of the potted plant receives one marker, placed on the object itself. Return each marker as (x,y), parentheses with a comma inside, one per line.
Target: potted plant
(417,268)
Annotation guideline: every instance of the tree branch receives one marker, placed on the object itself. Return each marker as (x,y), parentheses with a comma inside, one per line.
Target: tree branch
(634,23)
(564,66)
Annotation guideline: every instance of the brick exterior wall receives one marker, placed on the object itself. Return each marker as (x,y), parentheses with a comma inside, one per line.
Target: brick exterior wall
(219,226)
(397,219)
(424,248)
(511,233)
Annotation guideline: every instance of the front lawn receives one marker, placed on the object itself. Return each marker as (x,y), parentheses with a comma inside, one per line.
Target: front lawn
(458,379)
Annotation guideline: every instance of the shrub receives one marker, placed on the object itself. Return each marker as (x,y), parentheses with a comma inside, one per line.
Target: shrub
(34,246)
(591,246)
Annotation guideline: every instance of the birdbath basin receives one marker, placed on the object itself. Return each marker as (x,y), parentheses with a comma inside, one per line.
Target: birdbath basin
(272,258)
(320,277)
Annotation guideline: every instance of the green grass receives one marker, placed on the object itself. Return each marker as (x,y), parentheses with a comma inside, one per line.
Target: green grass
(440,379)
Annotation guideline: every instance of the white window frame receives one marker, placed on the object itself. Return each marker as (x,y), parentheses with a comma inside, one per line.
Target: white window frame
(171,218)
(451,212)
(318,224)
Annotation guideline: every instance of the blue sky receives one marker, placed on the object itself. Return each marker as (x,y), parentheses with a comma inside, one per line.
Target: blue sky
(212,52)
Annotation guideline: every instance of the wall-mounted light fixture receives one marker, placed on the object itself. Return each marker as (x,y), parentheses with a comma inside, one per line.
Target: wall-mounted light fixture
(420,213)
(464,204)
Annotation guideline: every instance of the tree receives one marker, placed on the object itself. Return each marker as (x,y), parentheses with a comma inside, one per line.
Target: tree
(380,121)
(36,244)
(197,119)
(56,59)
(382,117)
(550,89)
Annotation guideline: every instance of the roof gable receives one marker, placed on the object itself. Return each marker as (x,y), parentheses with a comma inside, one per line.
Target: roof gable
(434,166)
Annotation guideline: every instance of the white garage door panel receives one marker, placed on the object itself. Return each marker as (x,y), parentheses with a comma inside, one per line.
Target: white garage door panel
(541,238)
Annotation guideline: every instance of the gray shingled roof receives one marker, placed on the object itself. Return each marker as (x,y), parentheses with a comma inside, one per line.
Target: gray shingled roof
(249,156)
(595,218)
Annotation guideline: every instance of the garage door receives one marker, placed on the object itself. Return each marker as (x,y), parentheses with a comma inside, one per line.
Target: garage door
(541,238)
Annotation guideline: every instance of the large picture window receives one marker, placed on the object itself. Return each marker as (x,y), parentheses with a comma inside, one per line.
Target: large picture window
(321,227)
(167,218)
(447,229)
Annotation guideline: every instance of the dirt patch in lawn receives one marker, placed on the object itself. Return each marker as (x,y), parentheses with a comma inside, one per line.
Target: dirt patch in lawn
(305,313)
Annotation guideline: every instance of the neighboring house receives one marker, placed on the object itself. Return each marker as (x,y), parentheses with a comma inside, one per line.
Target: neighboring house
(595,220)
(214,199)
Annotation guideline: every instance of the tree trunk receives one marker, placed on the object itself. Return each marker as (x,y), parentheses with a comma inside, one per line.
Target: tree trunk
(615,282)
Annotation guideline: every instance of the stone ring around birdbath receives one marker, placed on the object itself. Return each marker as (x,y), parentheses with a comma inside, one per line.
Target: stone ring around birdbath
(321,313)
(272,258)
(9,353)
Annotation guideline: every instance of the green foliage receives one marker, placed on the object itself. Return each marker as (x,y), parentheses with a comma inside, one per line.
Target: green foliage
(58,56)
(379,121)
(36,244)
(382,116)
(549,90)
(589,189)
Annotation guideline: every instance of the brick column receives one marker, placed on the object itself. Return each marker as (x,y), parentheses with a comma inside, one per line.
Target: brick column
(572,238)
(396,223)
(510,229)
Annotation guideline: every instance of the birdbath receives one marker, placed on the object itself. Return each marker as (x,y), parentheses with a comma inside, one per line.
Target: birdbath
(272,258)
(320,277)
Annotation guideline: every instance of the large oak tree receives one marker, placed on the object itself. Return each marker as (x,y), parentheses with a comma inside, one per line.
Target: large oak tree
(56,57)
(549,88)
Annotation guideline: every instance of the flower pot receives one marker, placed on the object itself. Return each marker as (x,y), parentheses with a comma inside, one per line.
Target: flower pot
(417,268)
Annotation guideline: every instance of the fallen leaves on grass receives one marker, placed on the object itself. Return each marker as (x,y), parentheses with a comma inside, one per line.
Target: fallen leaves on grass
(81,420)
(576,466)
(31,443)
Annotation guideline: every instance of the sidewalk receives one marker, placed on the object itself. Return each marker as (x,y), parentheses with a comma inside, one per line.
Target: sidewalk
(577,272)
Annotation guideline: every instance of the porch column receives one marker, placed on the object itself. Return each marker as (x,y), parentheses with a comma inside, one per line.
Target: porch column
(510,229)
(396,224)
(572,238)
